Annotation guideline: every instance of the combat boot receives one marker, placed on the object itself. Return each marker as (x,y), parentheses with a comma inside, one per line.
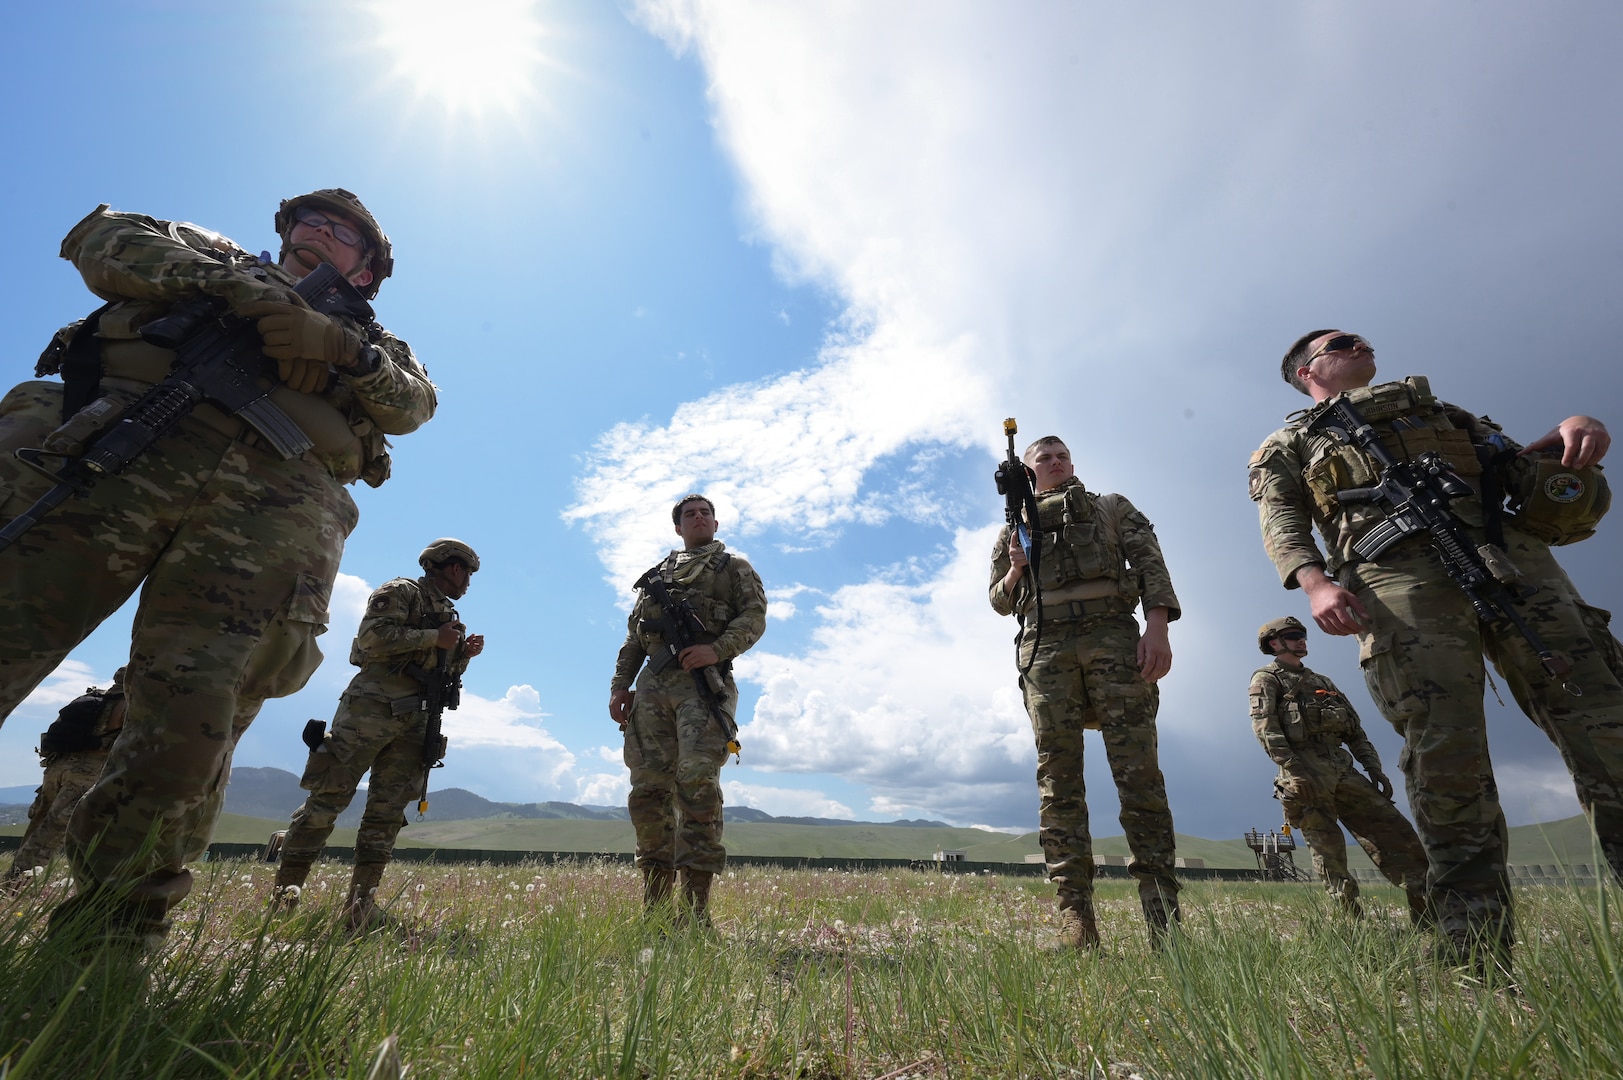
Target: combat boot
(360,906)
(1161,913)
(1078,929)
(657,885)
(290,877)
(696,896)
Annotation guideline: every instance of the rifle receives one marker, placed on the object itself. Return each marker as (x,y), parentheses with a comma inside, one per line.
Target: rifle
(1415,496)
(1014,483)
(442,690)
(679,627)
(217,360)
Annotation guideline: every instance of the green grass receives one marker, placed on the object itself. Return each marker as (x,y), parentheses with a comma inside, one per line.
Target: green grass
(526,971)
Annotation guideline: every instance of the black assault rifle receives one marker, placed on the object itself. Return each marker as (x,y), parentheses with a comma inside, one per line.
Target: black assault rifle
(217,360)
(1415,496)
(1014,483)
(679,627)
(442,690)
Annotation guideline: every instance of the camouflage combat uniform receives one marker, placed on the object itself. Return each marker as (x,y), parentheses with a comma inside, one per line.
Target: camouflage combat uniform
(1302,720)
(69,773)
(234,550)
(1099,558)
(379,726)
(1422,656)
(674,747)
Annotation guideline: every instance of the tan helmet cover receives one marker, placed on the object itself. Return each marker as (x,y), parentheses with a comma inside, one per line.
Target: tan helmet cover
(1270,629)
(447,548)
(380,253)
(1557,504)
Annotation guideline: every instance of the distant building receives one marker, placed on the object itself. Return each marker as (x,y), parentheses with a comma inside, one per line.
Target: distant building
(1190,864)
(950,856)
(1038,858)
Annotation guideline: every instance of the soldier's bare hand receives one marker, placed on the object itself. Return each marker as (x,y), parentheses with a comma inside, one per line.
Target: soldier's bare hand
(473,646)
(697,656)
(450,633)
(1154,654)
(1017,552)
(1335,609)
(620,706)
(1583,441)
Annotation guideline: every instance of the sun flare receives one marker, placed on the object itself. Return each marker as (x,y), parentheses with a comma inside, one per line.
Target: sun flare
(469,56)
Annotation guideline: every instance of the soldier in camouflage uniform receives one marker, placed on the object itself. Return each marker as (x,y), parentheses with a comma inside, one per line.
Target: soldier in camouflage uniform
(410,629)
(1421,644)
(72,750)
(1099,558)
(233,548)
(674,746)
(1302,720)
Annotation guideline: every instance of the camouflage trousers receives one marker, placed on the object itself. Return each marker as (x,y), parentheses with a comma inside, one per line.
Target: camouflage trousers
(675,750)
(1086,675)
(365,735)
(234,552)
(1423,662)
(1385,835)
(67,778)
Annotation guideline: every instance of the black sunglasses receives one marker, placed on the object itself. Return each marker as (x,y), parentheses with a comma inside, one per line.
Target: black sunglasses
(1337,344)
(1292,635)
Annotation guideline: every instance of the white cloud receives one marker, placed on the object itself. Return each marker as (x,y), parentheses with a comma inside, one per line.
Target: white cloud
(785,802)
(1063,212)
(908,685)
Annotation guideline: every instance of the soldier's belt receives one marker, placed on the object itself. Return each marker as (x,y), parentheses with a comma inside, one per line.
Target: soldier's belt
(1072,610)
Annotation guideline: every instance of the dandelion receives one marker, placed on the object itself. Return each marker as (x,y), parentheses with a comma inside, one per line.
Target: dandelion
(421,886)
(530,888)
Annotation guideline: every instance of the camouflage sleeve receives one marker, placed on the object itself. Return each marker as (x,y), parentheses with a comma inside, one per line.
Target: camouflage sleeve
(632,654)
(1265,718)
(1003,602)
(1144,559)
(135,257)
(397,396)
(386,628)
(1363,751)
(1283,506)
(748,600)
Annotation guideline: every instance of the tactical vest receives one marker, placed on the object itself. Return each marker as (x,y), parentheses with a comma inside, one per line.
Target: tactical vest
(704,584)
(1312,713)
(347,442)
(1079,540)
(80,725)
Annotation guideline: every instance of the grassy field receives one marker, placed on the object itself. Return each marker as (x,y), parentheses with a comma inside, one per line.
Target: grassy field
(525,971)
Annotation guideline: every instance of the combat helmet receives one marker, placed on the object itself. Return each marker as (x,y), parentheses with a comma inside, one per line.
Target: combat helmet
(1273,629)
(446,548)
(379,252)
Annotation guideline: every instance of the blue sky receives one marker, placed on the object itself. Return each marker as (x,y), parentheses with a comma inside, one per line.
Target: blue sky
(806,258)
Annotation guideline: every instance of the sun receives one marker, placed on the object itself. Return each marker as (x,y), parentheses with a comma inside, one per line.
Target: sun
(469,56)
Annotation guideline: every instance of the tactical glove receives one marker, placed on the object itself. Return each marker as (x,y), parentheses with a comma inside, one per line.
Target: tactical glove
(305,344)
(1302,788)
(1382,784)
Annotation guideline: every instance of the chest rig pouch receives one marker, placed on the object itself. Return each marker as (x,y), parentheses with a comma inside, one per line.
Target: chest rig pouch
(1078,545)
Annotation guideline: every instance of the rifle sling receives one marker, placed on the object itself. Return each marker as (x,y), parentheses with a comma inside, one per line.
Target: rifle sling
(81,365)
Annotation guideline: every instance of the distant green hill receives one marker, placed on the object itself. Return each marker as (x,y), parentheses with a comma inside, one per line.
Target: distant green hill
(1564,841)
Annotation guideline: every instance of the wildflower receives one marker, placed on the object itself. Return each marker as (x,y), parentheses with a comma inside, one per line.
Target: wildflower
(291,892)
(531,886)
(645,958)
(421,886)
